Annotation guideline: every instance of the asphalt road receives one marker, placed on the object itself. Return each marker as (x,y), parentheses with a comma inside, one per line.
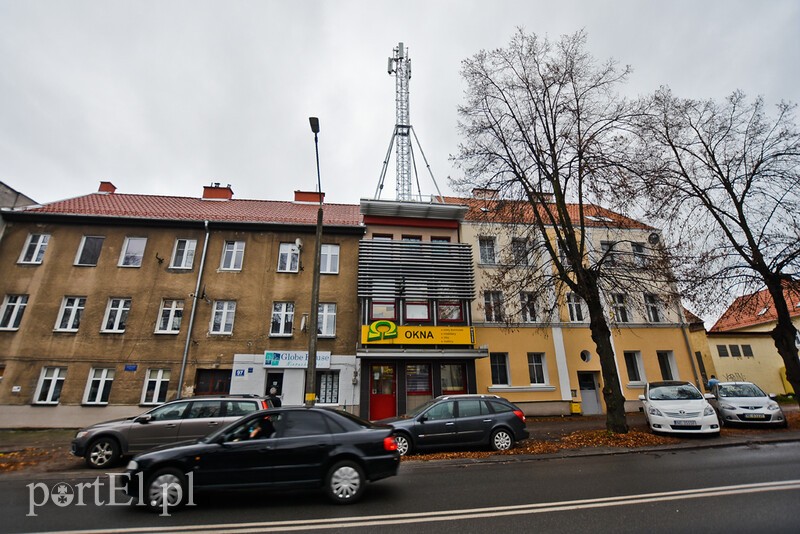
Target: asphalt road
(748,488)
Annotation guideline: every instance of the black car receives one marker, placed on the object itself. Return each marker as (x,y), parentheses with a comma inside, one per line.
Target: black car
(455,420)
(280,448)
(102,444)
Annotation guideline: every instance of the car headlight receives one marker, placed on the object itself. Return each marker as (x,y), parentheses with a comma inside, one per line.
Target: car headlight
(708,410)
(773,407)
(654,411)
(81,434)
(133,465)
(727,406)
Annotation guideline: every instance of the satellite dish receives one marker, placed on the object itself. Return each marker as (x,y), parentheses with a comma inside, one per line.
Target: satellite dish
(653,238)
(298,243)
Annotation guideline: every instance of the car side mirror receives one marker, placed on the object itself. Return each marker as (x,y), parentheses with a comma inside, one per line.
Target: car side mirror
(422,418)
(709,396)
(641,397)
(772,396)
(144,419)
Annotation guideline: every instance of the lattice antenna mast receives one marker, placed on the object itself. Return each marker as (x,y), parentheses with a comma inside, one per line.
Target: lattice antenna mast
(400,66)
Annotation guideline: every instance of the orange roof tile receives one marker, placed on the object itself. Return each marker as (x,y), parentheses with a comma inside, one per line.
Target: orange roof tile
(755,309)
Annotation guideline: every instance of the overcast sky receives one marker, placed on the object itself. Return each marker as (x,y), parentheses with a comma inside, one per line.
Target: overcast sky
(163,97)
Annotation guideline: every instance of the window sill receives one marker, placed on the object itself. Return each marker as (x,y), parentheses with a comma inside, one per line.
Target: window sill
(288,272)
(45,403)
(112,331)
(532,387)
(6,329)
(94,404)
(220,333)
(281,335)
(167,332)
(65,331)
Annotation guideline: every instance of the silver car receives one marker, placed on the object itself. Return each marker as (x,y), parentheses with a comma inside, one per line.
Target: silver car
(745,402)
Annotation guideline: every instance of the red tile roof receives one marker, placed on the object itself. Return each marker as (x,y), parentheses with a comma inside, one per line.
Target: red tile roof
(196,209)
(756,309)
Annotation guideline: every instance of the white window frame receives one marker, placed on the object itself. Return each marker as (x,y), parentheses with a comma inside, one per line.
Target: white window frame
(653,306)
(575,307)
(329,259)
(51,382)
(134,259)
(527,303)
(160,379)
(283,311)
(117,311)
(504,364)
(104,376)
(639,254)
(671,363)
(619,304)
(34,249)
(607,249)
(487,247)
(540,365)
(82,248)
(12,312)
(186,258)
(639,364)
(417,310)
(173,308)
(288,258)
(493,311)
(225,310)
(232,256)
(71,310)
(326,320)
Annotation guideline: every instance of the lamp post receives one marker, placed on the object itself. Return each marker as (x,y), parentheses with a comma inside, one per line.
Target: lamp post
(311,371)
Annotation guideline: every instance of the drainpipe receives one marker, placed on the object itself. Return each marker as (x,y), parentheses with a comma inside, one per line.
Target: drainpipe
(684,328)
(194,311)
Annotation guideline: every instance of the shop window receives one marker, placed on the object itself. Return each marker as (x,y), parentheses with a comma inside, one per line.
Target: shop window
(450,311)
(417,311)
(328,387)
(383,310)
(454,378)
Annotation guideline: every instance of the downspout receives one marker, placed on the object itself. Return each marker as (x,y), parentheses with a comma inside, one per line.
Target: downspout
(684,327)
(194,311)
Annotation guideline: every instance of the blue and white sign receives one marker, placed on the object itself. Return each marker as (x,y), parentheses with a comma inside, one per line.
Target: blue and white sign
(295,360)
(239,372)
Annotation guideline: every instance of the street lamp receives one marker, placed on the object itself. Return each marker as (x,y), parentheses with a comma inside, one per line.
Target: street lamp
(311,371)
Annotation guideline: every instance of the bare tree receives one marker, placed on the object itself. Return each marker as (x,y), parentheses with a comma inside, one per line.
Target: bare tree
(725,177)
(542,125)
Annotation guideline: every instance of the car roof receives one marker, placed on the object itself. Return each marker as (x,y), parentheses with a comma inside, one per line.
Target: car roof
(468,396)
(733,383)
(668,383)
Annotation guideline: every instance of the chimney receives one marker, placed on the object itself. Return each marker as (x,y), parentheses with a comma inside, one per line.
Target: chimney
(106,187)
(309,196)
(215,191)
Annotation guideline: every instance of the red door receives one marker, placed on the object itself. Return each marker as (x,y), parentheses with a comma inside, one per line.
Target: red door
(382,392)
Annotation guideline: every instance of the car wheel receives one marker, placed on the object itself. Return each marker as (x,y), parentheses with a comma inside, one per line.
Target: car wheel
(345,482)
(404,446)
(502,440)
(166,490)
(103,452)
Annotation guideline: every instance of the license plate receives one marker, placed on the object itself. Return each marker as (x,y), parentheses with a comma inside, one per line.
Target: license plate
(684,422)
(760,416)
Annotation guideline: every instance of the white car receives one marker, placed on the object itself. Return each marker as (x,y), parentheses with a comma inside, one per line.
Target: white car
(745,402)
(678,407)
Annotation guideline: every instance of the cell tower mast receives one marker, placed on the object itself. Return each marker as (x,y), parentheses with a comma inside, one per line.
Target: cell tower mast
(400,66)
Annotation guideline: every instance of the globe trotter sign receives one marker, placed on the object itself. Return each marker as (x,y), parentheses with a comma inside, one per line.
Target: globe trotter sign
(388,333)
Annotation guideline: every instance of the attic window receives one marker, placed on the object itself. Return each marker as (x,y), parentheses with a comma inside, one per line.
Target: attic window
(764,310)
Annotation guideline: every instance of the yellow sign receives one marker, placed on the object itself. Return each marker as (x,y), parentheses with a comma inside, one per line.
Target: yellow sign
(388,333)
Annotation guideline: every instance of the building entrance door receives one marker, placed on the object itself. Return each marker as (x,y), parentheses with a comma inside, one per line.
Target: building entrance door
(590,401)
(382,391)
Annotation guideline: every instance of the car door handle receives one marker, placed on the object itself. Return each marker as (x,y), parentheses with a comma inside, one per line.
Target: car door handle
(171,425)
(487,420)
(213,423)
(449,424)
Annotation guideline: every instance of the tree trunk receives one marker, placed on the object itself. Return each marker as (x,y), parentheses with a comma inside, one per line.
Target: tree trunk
(784,335)
(612,391)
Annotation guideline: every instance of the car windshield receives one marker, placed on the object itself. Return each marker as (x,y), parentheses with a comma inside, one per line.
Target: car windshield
(740,390)
(675,392)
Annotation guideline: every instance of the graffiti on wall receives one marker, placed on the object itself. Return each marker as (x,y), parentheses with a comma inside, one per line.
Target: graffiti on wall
(735,377)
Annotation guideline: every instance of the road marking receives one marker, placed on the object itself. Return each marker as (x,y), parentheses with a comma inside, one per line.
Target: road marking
(454,515)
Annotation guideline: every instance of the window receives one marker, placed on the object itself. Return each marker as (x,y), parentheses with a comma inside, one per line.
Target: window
(116,315)
(450,311)
(607,248)
(328,387)
(441,240)
(472,408)
(633,363)
(620,308)
(183,255)
(13,308)
(454,378)
(442,410)
(639,254)
(156,385)
(89,250)
(527,307)
(98,386)
(537,368)
(289,258)
(48,391)
(169,412)
(222,321)
(666,362)
(575,305)
(282,317)
(383,310)
(417,311)
(132,252)
(722,350)
(487,250)
(412,238)
(418,379)
(329,259)
(653,308)
(232,256)
(169,317)
(204,409)
(493,306)
(734,350)
(747,350)
(33,252)
(382,237)
(326,320)
(499,364)
(301,423)
(520,251)
(69,318)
